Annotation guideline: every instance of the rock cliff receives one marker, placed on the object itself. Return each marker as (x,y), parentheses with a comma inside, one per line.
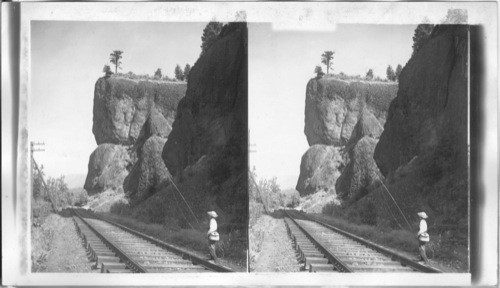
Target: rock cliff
(131,122)
(361,173)
(149,172)
(429,116)
(319,169)
(423,150)
(209,135)
(344,118)
(333,107)
(107,167)
(123,106)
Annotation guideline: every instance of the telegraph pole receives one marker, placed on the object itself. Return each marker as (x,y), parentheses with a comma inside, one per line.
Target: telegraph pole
(34,147)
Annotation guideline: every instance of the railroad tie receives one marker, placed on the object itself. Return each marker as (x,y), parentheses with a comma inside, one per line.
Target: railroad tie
(118,249)
(97,251)
(308,253)
(353,254)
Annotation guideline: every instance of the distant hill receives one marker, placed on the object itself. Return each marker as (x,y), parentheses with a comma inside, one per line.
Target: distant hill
(75,180)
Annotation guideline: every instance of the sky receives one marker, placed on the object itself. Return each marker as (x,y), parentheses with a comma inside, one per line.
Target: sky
(281,63)
(67,59)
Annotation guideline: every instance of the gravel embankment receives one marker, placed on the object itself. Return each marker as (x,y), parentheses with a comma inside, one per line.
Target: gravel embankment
(67,253)
(274,252)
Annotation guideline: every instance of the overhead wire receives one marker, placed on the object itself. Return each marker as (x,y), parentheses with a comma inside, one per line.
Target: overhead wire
(184,199)
(180,209)
(394,200)
(389,208)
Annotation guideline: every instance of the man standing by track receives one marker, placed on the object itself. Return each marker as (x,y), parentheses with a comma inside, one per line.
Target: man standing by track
(213,235)
(423,236)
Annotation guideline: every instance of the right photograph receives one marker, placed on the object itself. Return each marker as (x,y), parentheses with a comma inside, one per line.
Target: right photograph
(359,147)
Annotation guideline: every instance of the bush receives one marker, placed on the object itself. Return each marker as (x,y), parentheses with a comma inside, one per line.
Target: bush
(144,77)
(120,208)
(319,72)
(343,76)
(256,210)
(41,244)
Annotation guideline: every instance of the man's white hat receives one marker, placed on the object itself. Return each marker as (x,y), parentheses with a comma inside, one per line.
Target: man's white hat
(422,215)
(212,214)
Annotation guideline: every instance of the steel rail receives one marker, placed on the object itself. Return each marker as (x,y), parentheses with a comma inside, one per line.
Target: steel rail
(336,262)
(393,254)
(184,253)
(131,263)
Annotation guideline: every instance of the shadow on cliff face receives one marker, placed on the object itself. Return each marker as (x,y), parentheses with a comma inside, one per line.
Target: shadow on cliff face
(209,135)
(427,124)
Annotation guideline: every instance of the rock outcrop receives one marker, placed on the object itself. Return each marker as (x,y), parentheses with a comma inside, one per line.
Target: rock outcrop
(361,173)
(122,106)
(429,116)
(319,169)
(343,121)
(149,173)
(333,107)
(423,150)
(107,167)
(132,119)
(209,135)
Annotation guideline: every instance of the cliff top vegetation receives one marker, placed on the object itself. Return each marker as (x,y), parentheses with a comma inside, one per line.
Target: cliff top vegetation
(145,77)
(356,78)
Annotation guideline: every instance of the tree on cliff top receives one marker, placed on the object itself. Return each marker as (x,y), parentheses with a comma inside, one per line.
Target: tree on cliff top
(391,76)
(187,69)
(422,34)
(398,71)
(107,70)
(158,73)
(327,59)
(369,74)
(114,58)
(456,16)
(210,34)
(179,75)
(319,72)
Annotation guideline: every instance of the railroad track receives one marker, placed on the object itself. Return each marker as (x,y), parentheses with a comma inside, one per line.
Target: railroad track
(324,248)
(119,249)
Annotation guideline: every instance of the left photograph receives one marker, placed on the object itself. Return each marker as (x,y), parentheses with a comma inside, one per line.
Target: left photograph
(139,147)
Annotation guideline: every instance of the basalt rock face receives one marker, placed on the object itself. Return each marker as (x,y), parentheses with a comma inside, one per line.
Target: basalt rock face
(425,137)
(346,117)
(429,116)
(361,172)
(333,107)
(319,169)
(209,134)
(367,125)
(149,173)
(131,122)
(107,168)
(122,107)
